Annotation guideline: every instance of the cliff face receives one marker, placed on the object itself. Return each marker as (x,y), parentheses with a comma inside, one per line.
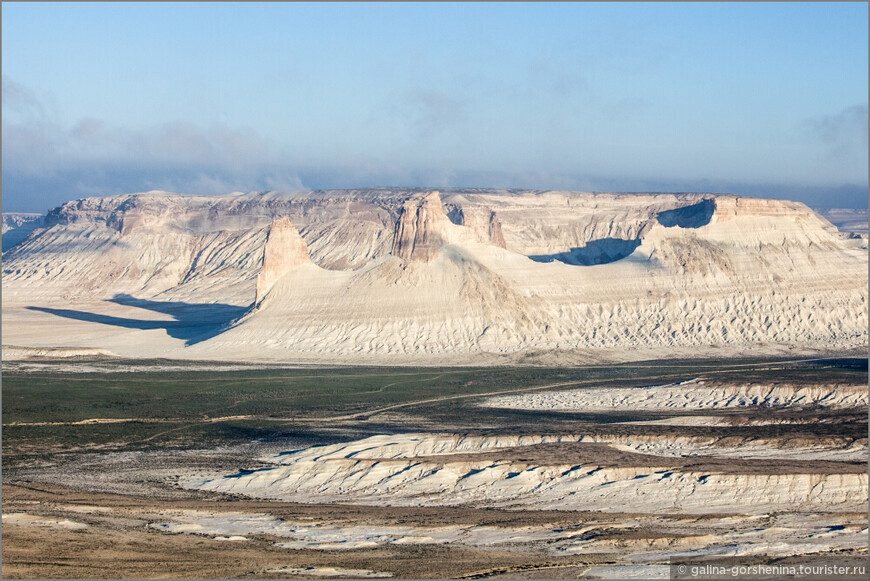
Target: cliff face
(496,237)
(284,250)
(481,221)
(458,276)
(421,230)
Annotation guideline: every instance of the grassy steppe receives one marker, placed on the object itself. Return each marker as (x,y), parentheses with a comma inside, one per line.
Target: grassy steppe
(159,408)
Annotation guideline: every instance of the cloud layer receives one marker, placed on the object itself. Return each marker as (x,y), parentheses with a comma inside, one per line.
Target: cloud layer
(46,162)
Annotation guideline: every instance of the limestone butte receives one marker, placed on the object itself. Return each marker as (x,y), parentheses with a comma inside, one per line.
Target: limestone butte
(421,230)
(284,250)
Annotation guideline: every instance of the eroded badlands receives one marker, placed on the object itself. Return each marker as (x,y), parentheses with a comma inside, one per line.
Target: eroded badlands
(417,277)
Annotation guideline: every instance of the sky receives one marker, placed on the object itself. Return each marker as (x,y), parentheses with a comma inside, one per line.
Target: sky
(762,99)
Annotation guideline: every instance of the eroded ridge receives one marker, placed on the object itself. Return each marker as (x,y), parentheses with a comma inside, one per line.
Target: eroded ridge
(426,469)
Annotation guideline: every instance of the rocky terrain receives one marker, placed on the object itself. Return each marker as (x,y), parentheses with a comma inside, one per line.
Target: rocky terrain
(416,276)
(18,226)
(428,469)
(846,219)
(191,469)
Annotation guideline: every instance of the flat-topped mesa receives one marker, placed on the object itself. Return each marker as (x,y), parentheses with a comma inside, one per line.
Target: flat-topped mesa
(421,230)
(731,207)
(284,251)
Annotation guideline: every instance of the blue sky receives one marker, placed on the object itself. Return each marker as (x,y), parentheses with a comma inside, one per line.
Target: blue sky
(755,99)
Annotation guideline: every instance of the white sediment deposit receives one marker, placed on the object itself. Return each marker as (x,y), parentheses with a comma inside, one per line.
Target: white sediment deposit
(40,521)
(690,395)
(308,572)
(464,276)
(13,353)
(423,469)
(689,536)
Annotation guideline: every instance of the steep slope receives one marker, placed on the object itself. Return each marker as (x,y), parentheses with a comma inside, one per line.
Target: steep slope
(462,276)
(187,247)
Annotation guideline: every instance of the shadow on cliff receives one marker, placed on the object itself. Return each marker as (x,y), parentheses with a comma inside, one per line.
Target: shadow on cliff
(191,322)
(693,216)
(602,251)
(607,250)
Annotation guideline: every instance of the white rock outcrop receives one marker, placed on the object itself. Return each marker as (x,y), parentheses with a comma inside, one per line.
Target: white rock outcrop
(419,470)
(460,276)
(284,250)
(421,230)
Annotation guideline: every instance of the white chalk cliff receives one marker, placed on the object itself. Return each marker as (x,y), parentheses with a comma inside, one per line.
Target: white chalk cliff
(395,276)
(284,251)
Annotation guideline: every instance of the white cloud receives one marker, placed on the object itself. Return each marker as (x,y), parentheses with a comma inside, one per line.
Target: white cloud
(94,157)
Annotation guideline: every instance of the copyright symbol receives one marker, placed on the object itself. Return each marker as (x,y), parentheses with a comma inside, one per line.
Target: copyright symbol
(681,569)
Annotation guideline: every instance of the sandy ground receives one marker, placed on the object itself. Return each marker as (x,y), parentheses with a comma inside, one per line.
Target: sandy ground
(122,537)
(160,526)
(108,327)
(47,529)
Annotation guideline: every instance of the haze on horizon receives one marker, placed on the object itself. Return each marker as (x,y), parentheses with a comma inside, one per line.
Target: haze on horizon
(755,99)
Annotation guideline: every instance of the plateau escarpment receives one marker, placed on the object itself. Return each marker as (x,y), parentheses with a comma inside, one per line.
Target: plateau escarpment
(459,276)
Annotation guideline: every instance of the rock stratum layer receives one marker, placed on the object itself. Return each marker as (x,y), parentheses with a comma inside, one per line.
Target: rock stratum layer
(462,276)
